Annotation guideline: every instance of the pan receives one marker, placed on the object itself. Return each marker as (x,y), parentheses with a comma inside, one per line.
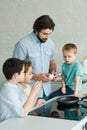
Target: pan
(67,107)
(72,101)
(68,100)
(84,102)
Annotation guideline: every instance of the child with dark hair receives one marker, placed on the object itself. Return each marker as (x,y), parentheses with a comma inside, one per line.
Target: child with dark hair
(13,100)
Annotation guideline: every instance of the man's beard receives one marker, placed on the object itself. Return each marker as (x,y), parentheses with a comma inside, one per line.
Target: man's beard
(42,40)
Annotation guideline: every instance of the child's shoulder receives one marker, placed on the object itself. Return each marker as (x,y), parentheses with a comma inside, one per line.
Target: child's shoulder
(77,63)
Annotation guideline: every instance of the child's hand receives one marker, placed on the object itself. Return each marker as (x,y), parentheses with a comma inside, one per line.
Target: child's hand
(40,102)
(37,87)
(63,90)
(38,84)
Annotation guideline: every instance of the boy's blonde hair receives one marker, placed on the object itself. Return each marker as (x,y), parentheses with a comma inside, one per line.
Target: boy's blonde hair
(69,47)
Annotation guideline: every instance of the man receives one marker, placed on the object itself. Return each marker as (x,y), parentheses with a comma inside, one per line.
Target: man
(39,49)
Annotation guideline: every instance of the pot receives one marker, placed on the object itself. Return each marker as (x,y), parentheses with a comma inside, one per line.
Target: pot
(72,100)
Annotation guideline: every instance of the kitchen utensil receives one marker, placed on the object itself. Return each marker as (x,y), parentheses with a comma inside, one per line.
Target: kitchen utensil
(68,100)
(72,100)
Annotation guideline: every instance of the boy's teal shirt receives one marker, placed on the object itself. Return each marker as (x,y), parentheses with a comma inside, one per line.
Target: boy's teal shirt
(70,72)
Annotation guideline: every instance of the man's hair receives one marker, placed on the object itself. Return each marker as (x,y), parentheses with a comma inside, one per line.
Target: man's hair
(43,22)
(69,47)
(11,66)
(27,65)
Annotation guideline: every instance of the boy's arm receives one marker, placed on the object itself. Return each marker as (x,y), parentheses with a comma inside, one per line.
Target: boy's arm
(77,78)
(32,97)
(63,84)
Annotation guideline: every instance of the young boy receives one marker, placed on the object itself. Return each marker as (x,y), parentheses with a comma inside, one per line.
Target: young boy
(13,100)
(72,72)
(27,79)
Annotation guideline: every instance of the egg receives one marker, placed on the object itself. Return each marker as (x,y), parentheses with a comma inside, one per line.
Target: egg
(51,76)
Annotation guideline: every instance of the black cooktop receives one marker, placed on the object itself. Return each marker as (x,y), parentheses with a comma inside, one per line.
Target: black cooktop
(53,109)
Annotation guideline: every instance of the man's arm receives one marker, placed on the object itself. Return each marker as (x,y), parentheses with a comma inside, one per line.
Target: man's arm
(20,51)
(52,66)
(53,69)
(45,76)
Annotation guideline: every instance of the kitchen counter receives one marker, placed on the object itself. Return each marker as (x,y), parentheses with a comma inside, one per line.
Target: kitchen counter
(84,78)
(42,123)
(37,123)
(80,125)
(57,84)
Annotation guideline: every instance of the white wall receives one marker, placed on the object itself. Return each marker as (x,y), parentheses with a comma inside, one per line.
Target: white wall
(17,17)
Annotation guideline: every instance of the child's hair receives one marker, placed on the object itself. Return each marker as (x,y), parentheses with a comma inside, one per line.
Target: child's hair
(27,65)
(11,66)
(69,47)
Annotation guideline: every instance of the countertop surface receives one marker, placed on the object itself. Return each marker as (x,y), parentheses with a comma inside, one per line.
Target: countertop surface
(41,123)
(37,123)
(59,79)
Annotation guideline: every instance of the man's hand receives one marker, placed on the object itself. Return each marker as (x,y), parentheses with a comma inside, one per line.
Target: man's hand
(55,76)
(43,77)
